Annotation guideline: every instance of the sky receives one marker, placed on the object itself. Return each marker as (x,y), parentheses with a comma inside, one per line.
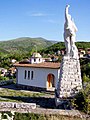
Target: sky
(42,18)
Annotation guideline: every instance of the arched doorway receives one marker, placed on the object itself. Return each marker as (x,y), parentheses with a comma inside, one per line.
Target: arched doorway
(50,81)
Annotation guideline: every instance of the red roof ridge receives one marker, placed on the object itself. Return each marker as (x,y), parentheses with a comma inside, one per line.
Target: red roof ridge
(52,65)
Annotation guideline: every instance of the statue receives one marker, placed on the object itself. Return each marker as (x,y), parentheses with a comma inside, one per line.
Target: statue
(70,82)
(69,35)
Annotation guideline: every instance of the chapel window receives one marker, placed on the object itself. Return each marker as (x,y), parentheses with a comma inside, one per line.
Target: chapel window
(25,75)
(31,75)
(28,74)
(34,60)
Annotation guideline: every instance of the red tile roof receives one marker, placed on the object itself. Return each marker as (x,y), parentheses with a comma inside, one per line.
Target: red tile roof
(51,65)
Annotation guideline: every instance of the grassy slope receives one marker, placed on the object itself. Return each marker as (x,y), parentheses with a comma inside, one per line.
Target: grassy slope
(24,44)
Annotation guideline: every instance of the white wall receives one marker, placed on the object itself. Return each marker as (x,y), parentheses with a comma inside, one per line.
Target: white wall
(37,60)
(39,76)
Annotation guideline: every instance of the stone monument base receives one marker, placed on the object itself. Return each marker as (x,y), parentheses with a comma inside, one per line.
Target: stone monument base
(63,103)
(70,81)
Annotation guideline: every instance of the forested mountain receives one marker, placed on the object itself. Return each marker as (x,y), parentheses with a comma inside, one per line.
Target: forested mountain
(24,44)
(60,45)
(27,44)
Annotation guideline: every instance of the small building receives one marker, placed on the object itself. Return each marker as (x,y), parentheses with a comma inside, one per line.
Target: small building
(42,75)
(12,70)
(81,52)
(38,75)
(54,58)
(48,59)
(13,61)
(63,51)
(3,71)
(88,52)
(36,58)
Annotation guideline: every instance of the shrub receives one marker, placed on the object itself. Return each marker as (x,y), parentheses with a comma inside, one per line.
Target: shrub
(82,99)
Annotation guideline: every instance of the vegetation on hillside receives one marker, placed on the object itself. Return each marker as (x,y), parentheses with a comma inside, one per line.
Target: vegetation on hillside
(53,48)
(27,45)
(24,44)
(60,45)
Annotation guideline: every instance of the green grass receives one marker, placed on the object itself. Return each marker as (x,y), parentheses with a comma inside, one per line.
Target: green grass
(17,95)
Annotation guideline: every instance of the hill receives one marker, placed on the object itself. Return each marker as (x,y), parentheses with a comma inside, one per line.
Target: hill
(27,44)
(24,44)
(60,45)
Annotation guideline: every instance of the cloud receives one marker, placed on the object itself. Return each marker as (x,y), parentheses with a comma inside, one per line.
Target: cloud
(38,14)
(52,21)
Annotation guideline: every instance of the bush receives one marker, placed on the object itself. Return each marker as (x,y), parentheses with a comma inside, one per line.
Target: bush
(85,78)
(82,99)
(3,78)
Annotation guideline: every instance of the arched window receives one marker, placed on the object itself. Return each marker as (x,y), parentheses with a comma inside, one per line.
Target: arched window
(51,80)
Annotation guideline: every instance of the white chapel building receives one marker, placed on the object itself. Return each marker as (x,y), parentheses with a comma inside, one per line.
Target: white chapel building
(37,74)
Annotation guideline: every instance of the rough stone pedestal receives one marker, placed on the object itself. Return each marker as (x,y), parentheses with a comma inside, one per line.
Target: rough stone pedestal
(70,81)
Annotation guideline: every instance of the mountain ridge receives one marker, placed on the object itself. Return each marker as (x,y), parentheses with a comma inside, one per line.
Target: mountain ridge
(25,44)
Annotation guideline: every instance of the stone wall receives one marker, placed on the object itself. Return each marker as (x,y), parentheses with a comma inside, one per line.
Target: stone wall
(17,105)
(70,81)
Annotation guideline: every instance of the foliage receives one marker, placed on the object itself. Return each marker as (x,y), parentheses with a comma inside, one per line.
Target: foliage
(5,60)
(60,45)
(28,45)
(24,45)
(82,99)
(54,48)
(33,116)
(59,59)
(83,45)
(11,115)
(20,48)
(85,78)
(29,116)
(85,69)
(3,78)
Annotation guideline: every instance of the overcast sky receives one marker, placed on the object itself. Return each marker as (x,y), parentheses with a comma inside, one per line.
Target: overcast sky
(42,18)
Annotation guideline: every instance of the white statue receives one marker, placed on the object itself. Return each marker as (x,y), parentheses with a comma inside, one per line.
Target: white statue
(70,35)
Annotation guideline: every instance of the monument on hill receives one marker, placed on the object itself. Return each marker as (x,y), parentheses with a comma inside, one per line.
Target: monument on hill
(70,81)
